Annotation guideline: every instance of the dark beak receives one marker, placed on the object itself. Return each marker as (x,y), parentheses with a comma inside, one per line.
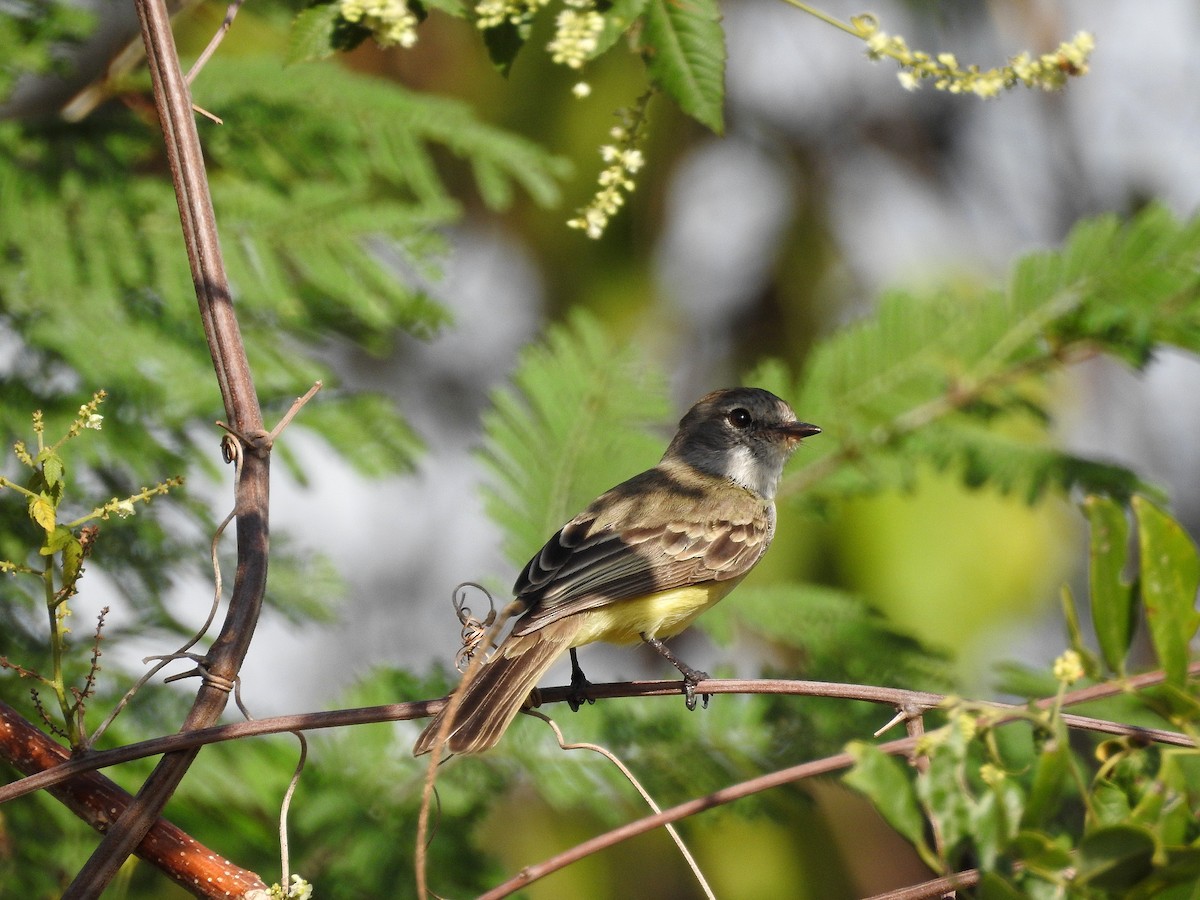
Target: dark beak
(798,430)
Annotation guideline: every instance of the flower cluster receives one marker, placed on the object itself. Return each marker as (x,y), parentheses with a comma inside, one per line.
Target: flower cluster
(494,13)
(624,159)
(1049,71)
(1068,668)
(391,21)
(299,889)
(576,34)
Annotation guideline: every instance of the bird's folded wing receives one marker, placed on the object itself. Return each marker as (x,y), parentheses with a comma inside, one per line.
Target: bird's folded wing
(593,561)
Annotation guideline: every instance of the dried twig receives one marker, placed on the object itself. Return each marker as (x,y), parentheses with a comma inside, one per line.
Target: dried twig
(637,786)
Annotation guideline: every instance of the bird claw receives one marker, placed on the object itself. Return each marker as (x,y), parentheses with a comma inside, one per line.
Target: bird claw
(579,692)
(690,680)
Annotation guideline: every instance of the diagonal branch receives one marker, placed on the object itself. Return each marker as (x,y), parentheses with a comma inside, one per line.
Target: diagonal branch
(173,101)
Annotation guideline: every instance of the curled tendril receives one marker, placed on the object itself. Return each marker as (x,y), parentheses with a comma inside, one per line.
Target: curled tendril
(473,629)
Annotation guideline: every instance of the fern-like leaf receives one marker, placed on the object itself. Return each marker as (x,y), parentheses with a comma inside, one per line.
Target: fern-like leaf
(573,424)
(959,381)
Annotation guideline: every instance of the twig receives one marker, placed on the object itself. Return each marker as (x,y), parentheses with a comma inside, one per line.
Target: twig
(182,652)
(637,785)
(915,726)
(453,701)
(226,23)
(718,798)
(418,709)
(937,887)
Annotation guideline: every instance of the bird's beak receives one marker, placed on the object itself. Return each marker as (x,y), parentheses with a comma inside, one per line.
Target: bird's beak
(798,430)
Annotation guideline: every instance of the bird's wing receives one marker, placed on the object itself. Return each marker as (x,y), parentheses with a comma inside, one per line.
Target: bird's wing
(694,533)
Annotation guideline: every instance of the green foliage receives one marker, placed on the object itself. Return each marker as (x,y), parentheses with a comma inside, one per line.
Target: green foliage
(1037,814)
(571,427)
(1112,598)
(53,573)
(320,31)
(326,190)
(32,35)
(1170,575)
(828,634)
(684,46)
(959,380)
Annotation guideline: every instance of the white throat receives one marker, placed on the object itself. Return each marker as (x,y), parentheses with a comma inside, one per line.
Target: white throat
(744,468)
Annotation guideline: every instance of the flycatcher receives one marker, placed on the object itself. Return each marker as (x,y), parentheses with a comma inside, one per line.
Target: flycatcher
(643,560)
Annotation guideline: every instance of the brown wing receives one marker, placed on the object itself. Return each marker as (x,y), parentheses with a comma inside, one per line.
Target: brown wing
(699,529)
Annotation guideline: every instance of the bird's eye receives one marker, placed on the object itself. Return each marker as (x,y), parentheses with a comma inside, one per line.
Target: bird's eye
(739,418)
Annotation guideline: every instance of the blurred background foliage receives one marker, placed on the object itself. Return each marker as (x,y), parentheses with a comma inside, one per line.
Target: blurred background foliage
(394,225)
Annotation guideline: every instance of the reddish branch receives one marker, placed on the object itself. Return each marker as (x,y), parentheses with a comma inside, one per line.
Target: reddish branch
(97,801)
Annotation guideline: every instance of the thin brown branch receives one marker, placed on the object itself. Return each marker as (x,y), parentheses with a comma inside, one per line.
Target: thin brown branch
(395,712)
(937,887)
(97,801)
(718,798)
(786,776)
(174,104)
(627,773)
(215,42)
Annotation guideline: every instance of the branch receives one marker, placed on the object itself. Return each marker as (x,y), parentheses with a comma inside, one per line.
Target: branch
(97,801)
(717,798)
(173,102)
(418,709)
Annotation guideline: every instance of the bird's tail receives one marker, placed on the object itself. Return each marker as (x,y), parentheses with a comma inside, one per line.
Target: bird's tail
(499,689)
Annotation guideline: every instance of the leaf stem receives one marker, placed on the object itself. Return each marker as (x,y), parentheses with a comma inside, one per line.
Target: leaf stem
(826,18)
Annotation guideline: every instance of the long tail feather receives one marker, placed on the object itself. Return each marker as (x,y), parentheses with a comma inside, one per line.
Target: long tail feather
(499,689)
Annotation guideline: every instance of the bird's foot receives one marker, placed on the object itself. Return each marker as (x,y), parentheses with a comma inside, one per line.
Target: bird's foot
(579,693)
(691,677)
(579,685)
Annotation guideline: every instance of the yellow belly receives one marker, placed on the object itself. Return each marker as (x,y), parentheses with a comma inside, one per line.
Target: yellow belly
(660,615)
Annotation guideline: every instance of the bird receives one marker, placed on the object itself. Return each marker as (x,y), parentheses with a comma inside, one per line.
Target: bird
(641,562)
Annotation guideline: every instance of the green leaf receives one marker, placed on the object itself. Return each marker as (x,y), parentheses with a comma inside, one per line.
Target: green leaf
(684,46)
(1109,803)
(958,378)
(1115,858)
(1071,615)
(1112,597)
(453,8)
(52,470)
(504,42)
(887,783)
(72,560)
(365,430)
(41,510)
(1049,776)
(619,17)
(993,887)
(1040,852)
(835,633)
(312,34)
(61,537)
(1170,574)
(574,424)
